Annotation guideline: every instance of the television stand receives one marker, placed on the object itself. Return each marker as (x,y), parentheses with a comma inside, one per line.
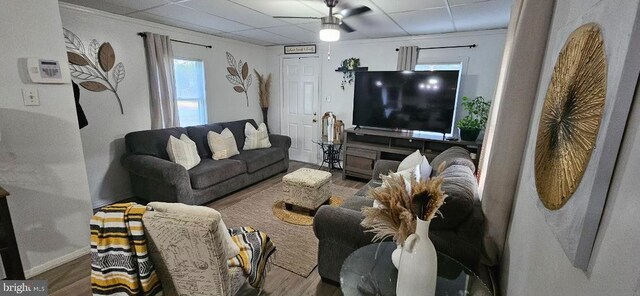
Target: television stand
(363,147)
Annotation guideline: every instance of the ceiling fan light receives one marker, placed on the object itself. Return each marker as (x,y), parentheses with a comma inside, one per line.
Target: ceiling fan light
(330,32)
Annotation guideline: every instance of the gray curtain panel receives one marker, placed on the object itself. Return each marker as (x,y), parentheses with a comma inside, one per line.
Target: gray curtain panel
(407,58)
(164,106)
(505,136)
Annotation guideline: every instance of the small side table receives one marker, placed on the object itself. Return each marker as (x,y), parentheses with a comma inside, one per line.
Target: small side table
(369,271)
(8,246)
(330,153)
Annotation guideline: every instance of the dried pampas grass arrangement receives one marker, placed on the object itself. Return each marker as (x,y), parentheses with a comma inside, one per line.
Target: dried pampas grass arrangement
(264,92)
(401,204)
(264,89)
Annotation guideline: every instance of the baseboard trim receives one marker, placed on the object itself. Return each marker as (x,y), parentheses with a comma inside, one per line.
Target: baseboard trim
(29,273)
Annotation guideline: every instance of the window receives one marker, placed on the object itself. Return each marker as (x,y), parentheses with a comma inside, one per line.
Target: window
(190,91)
(438,67)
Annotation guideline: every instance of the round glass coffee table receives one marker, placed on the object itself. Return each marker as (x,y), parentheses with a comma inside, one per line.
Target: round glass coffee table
(369,271)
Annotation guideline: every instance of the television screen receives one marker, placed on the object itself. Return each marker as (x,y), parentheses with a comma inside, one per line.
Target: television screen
(420,100)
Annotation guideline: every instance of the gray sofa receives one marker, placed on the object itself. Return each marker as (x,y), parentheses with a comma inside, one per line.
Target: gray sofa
(155,178)
(458,235)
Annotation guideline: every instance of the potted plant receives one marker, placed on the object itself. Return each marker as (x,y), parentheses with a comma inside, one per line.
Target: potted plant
(477,113)
(348,67)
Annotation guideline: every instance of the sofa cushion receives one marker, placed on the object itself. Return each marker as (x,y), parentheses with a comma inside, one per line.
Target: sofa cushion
(356,203)
(452,156)
(152,142)
(237,128)
(210,172)
(198,134)
(461,188)
(260,158)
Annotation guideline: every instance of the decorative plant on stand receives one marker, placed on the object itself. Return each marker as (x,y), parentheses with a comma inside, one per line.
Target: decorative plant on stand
(478,112)
(239,76)
(264,86)
(348,68)
(405,212)
(96,65)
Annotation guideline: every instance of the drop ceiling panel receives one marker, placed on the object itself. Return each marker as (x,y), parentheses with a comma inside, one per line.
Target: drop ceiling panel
(281,8)
(390,6)
(376,26)
(421,22)
(321,7)
(235,12)
(253,22)
(171,22)
(465,2)
(266,36)
(100,5)
(479,16)
(199,18)
(295,33)
(245,39)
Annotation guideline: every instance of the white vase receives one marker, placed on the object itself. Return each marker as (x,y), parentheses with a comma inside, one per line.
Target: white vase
(418,269)
(395,256)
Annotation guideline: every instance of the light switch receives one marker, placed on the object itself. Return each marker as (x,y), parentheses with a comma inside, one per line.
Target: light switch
(30,97)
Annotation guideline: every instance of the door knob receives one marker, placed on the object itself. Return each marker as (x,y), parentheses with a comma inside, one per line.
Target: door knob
(315,120)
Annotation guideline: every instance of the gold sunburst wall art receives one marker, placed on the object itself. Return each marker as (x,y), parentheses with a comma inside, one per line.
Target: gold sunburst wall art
(571,116)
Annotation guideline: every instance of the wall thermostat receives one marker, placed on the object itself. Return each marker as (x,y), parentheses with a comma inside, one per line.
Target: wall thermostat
(46,71)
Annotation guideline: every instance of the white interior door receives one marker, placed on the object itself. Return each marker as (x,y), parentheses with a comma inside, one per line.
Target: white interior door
(300,84)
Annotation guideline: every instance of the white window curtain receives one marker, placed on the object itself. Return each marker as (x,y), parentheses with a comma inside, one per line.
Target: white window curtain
(407,58)
(164,105)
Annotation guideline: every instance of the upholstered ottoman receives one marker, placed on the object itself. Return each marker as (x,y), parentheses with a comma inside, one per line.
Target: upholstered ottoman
(306,188)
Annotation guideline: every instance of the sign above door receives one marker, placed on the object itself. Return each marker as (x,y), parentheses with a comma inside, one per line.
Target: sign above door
(300,49)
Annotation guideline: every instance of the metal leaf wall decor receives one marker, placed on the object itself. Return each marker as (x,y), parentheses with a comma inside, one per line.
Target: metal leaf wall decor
(95,65)
(571,116)
(239,76)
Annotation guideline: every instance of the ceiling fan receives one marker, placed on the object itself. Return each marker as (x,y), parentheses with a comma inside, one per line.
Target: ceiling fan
(331,24)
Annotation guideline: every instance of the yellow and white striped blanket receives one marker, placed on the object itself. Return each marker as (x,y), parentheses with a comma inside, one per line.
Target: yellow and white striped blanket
(120,263)
(256,249)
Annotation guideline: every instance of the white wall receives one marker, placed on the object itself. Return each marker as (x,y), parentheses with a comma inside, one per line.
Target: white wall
(102,139)
(41,159)
(479,76)
(534,262)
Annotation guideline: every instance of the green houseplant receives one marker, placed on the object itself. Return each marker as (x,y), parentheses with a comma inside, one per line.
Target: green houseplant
(348,68)
(477,113)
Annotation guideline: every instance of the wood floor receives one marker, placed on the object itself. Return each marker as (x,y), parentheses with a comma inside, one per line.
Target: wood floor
(73,278)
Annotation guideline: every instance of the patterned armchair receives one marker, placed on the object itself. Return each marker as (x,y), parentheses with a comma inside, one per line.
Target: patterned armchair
(187,247)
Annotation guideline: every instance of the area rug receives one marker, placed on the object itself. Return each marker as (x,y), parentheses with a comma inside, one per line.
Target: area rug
(299,216)
(296,246)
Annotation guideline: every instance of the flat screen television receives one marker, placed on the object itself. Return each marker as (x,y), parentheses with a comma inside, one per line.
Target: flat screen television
(418,100)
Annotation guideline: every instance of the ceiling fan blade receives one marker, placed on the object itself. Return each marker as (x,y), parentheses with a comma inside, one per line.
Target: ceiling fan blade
(346,27)
(296,17)
(354,11)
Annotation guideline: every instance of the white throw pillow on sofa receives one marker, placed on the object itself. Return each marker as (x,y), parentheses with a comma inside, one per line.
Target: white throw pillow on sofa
(223,145)
(256,138)
(415,163)
(183,151)
(410,161)
(231,248)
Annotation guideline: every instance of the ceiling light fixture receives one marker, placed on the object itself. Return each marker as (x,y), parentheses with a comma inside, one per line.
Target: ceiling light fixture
(330,31)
